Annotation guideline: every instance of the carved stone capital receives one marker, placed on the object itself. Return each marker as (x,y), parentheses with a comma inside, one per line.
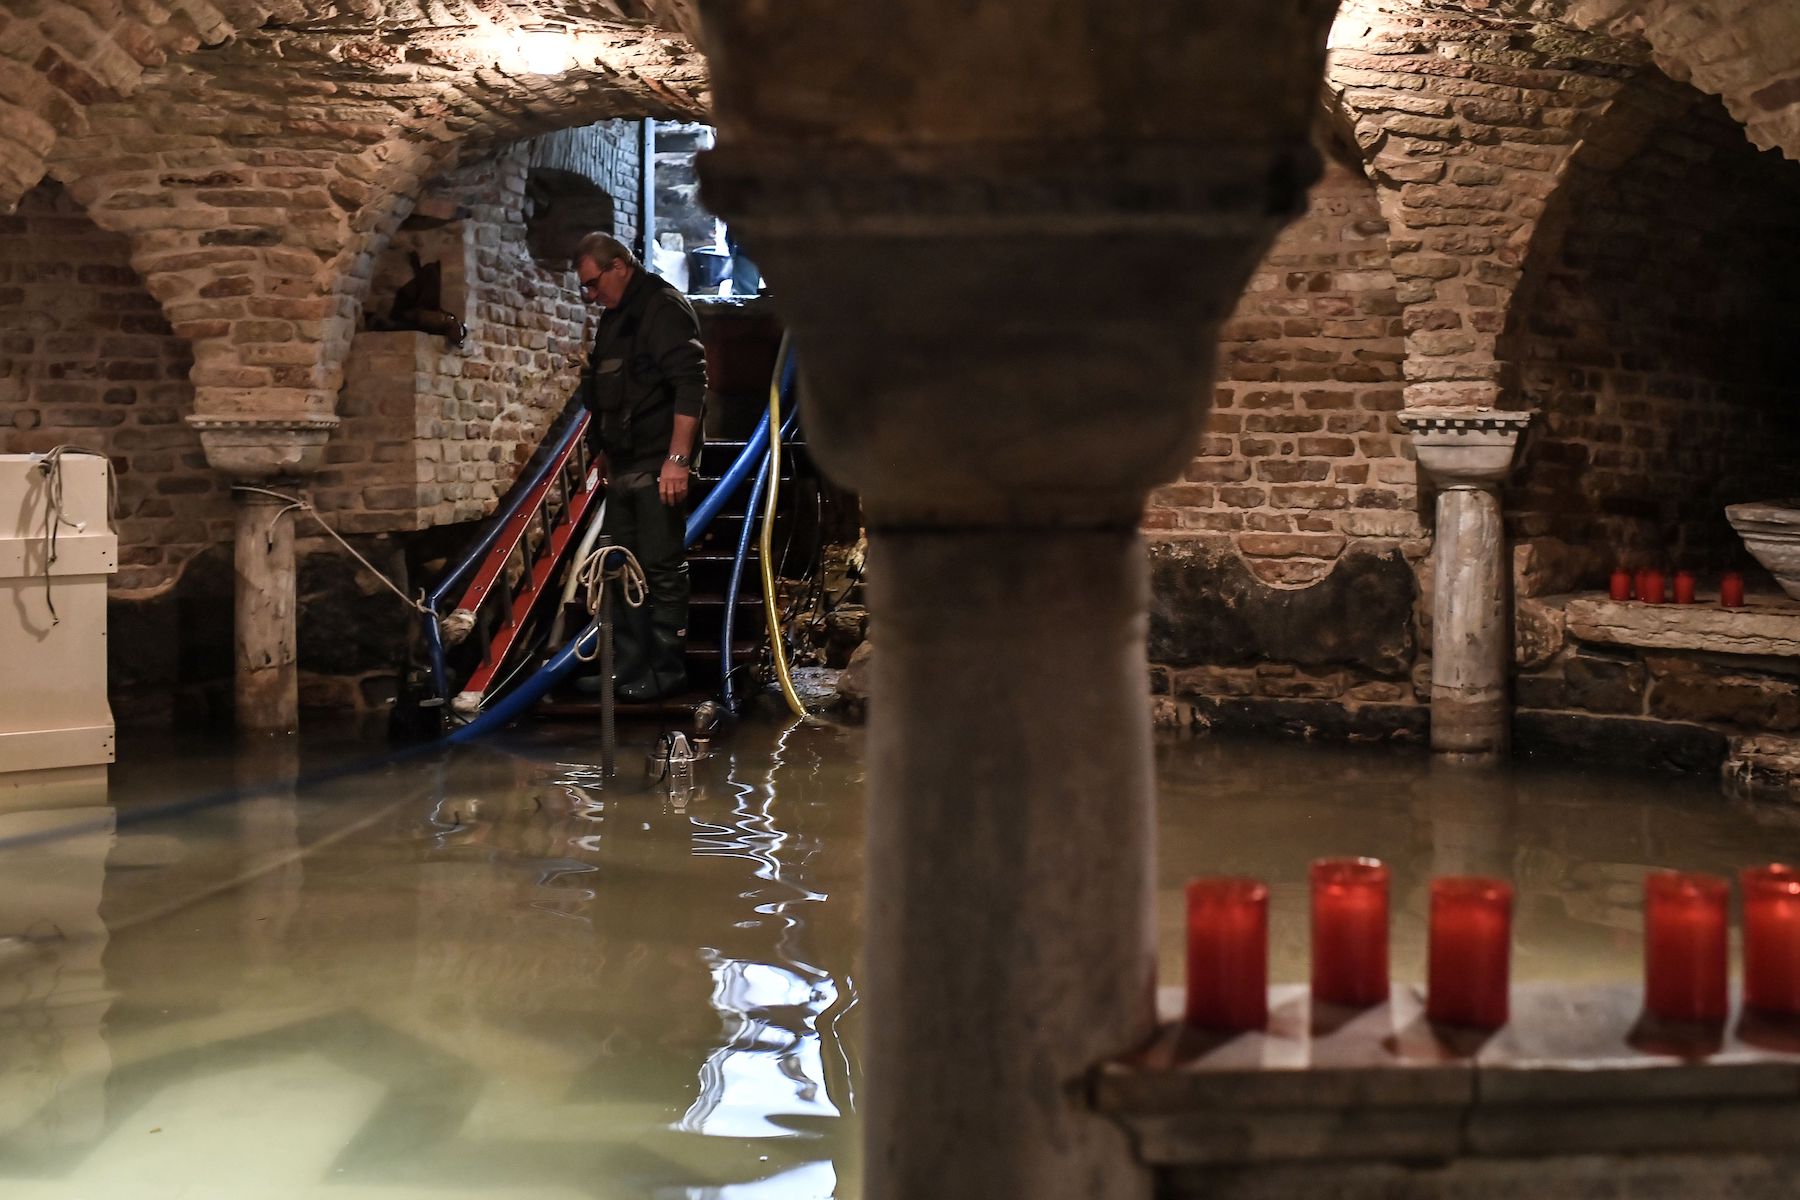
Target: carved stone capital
(249,447)
(1465,447)
(987,190)
(986,330)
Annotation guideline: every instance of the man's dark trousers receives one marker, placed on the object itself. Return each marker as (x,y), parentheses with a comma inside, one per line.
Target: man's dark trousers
(650,642)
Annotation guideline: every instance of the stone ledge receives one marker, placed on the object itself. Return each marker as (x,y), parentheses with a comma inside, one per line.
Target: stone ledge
(1767,626)
(1577,1072)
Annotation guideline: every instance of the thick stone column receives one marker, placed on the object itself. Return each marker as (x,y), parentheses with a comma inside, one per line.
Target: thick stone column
(1467,452)
(265,452)
(1011,938)
(1003,248)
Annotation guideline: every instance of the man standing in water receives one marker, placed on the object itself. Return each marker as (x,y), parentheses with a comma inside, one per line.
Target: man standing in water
(645,386)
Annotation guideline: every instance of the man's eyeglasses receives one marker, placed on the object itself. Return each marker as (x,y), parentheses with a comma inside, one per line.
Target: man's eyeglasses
(592,283)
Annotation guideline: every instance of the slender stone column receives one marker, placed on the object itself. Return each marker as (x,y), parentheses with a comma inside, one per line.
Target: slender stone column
(267,452)
(268,680)
(1467,452)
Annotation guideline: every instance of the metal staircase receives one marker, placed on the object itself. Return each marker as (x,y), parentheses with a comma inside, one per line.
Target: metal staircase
(486,652)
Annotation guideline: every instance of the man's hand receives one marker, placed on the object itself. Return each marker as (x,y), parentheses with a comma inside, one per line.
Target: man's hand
(672,483)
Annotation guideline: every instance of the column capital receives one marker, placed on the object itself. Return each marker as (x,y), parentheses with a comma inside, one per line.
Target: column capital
(248,447)
(985,328)
(999,189)
(1464,447)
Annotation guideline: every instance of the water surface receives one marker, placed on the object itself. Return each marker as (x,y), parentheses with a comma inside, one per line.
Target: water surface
(492,974)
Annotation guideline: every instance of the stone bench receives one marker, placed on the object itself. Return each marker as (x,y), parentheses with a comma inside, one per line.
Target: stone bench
(1579,1096)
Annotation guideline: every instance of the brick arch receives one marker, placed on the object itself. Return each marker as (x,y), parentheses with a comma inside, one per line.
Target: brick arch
(66,57)
(256,218)
(1465,138)
(1746,52)
(1649,102)
(1652,334)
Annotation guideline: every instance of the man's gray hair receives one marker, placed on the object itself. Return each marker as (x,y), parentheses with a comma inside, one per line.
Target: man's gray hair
(601,249)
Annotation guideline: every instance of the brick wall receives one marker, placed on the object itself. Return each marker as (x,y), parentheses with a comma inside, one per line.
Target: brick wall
(433,435)
(430,435)
(87,357)
(1302,499)
(608,155)
(1658,349)
(1301,454)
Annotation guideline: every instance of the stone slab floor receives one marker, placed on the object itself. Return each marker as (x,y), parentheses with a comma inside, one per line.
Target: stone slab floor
(488,974)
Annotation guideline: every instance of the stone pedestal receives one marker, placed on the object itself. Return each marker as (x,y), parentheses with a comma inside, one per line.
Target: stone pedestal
(1467,452)
(265,452)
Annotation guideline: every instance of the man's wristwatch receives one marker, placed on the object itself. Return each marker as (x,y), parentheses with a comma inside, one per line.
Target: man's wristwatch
(680,460)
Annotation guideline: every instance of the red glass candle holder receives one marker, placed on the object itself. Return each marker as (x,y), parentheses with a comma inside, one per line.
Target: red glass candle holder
(1619,586)
(1349,931)
(1470,962)
(1227,954)
(1650,586)
(1685,946)
(1684,587)
(1772,939)
(1731,589)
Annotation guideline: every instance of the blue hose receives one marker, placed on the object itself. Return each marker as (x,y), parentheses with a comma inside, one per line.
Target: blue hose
(737,565)
(737,579)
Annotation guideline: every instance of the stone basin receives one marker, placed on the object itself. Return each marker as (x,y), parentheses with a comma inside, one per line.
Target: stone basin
(1771,532)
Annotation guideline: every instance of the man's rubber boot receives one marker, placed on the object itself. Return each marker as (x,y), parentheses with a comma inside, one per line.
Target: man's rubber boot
(668,656)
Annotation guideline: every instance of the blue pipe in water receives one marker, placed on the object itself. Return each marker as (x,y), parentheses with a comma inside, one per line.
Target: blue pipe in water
(737,579)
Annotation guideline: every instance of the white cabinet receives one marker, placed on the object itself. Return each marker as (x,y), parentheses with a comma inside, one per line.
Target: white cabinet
(53,709)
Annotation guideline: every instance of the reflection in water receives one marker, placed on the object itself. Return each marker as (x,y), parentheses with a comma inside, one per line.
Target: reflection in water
(53,997)
(771,1060)
(496,974)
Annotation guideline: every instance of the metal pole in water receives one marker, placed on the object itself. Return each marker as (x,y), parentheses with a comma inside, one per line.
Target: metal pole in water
(609,737)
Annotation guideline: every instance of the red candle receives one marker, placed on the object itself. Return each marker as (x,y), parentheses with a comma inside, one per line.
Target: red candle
(1650,591)
(1684,587)
(1471,951)
(1227,954)
(1684,946)
(1637,584)
(1619,587)
(1772,939)
(1731,589)
(1349,931)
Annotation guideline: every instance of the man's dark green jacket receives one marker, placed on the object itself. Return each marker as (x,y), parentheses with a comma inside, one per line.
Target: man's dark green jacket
(647,366)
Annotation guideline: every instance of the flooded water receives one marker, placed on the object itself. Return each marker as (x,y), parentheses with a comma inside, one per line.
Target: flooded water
(485,974)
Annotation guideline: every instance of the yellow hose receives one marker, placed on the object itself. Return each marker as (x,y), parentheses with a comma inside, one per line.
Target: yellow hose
(765,549)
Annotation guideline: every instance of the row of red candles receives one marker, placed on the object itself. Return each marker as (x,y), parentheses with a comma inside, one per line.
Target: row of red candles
(1646,584)
(1686,923)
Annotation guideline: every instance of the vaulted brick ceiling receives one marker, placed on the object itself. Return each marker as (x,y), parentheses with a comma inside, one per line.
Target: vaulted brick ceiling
(439,72)
(450,71)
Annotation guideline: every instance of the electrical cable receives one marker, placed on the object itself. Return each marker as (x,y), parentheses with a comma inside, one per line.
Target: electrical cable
(50,466)
(765,548)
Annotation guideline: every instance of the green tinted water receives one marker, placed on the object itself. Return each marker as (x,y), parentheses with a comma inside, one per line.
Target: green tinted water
(486,974)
